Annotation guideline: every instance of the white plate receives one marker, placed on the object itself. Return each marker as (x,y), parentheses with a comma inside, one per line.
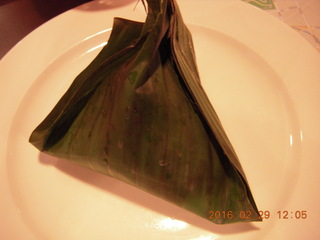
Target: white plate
(262,78)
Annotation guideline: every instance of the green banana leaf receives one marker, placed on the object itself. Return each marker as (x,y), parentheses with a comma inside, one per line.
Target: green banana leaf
(138,113)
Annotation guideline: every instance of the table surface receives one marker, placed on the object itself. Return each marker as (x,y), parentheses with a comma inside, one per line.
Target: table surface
(19,17)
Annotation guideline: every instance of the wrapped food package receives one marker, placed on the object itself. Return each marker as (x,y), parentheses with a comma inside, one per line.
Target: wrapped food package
(138,113)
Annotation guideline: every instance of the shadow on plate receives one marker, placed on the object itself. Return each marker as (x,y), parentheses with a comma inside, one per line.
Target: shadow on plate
(140,197)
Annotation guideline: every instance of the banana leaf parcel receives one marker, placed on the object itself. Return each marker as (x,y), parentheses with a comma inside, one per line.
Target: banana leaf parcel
(138,113)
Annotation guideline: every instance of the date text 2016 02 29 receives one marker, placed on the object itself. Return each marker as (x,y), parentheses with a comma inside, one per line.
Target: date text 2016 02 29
(284,214)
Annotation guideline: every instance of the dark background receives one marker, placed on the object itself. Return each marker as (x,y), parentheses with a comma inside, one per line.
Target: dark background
(20,17)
